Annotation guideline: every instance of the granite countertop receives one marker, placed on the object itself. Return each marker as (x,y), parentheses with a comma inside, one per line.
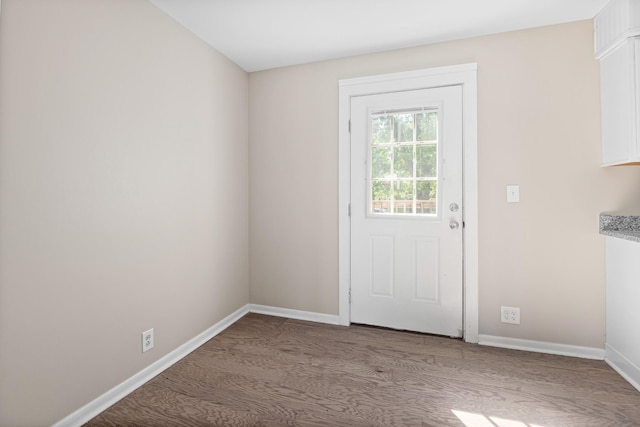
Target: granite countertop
(625,227)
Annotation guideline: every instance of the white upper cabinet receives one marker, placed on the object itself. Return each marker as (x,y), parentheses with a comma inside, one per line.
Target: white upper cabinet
(617,45)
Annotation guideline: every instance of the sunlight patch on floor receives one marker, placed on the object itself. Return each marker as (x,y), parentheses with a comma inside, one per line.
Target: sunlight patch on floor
(478,420)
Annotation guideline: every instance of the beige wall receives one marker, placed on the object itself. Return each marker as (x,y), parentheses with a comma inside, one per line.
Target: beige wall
(539,127)
(123,197)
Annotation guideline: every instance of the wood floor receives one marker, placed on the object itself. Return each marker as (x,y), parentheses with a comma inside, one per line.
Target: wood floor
(267,371)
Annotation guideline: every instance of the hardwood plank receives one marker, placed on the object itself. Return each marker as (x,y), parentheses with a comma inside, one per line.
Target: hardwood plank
(265,371)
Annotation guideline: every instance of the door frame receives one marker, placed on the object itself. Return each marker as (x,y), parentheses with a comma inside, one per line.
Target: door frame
(464,75)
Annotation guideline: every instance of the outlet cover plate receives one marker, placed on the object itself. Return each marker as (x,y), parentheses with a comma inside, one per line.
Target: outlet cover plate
(147,340)
(510,315)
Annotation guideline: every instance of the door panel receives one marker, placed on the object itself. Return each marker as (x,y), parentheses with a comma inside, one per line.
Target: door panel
(406,210)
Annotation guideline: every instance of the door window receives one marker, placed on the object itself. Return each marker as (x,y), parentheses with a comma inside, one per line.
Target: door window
(403,159)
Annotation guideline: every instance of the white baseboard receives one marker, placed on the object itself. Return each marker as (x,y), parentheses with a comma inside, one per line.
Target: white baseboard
(112,396)
(626,368)
(542,347)
(295,314)
(622,365)
(101,403)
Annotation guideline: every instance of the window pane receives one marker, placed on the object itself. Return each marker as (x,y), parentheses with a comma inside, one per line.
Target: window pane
(427,161)
(403,197)
(380,162)
(427,126)
(403,161)
(380,129)
(403,128)
(426,196)
(380,196)
(381,190)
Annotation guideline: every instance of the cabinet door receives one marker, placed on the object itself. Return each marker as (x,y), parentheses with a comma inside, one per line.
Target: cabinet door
(623,299)
(618,98)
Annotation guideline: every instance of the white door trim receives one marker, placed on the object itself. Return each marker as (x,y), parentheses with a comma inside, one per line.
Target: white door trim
(464,75)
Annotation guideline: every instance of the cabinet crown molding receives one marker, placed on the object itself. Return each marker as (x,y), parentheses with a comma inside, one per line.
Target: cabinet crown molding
(618,21)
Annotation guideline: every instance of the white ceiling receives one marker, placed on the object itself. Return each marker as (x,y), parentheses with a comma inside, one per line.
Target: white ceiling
(263,34)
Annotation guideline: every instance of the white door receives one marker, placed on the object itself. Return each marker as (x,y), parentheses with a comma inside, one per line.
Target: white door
(406,210)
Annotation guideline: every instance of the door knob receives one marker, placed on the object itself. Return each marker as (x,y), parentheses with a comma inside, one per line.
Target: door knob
(453,224)
(453,207)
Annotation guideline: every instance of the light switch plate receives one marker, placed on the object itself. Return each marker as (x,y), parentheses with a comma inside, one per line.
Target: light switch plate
(513,193)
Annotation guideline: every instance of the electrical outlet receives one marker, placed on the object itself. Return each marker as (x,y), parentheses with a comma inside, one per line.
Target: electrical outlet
(510,315)
(147,340)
